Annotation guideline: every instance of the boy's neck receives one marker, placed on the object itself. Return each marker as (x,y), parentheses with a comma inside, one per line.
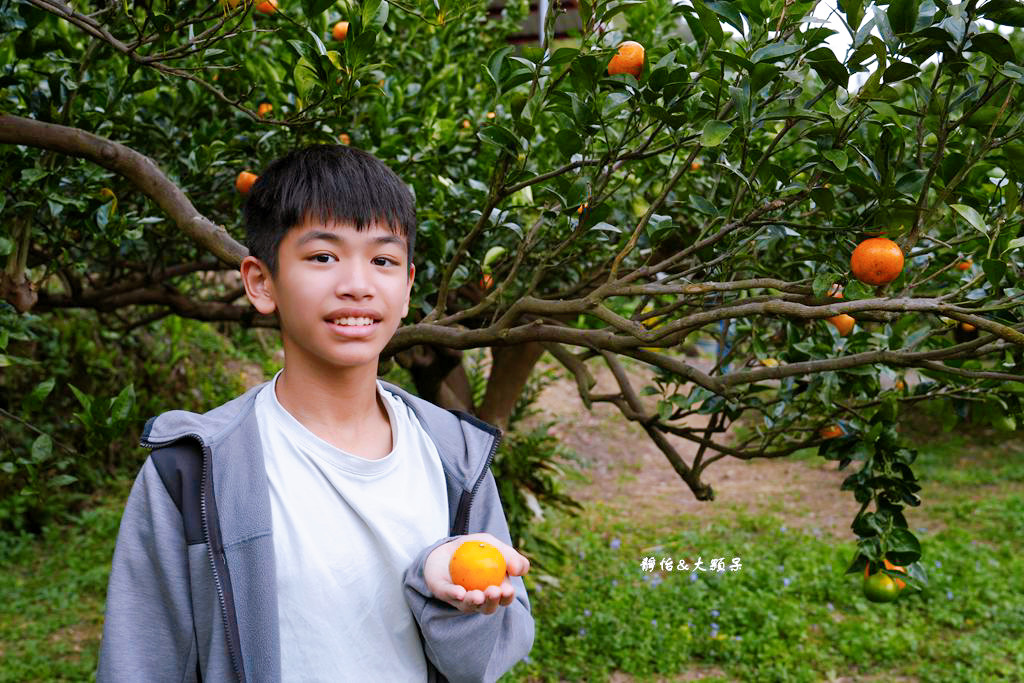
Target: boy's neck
(337,404)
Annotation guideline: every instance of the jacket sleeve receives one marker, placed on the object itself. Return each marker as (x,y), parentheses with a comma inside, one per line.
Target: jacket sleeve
(472,647)
(147,630)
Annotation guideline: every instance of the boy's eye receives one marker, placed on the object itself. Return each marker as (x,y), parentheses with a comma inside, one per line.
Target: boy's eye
(385,259)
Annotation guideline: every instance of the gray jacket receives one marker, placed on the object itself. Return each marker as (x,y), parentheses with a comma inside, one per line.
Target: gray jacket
(192,593)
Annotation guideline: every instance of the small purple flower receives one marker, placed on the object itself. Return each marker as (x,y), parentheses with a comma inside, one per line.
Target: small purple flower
(938,564)
(656,580)
(831,607)
(615,544)
(654,622)
(922,529)
(737,637)
(689,624)
(583,632)
(615,582)
(714,625)
(949,595)
(693,576)
(582,555)
(714,613)
(586,613)
(782,528)
(785,581)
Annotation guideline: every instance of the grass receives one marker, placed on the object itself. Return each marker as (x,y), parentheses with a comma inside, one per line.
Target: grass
(788,614)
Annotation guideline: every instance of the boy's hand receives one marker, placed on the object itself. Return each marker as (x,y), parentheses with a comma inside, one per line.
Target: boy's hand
(439,579)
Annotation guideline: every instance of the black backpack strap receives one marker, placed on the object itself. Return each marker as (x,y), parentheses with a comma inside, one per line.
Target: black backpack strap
(180,466)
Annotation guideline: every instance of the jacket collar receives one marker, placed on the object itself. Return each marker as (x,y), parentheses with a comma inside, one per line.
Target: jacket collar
(460,438)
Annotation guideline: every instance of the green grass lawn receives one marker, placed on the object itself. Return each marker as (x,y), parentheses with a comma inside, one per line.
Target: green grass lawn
(788,614)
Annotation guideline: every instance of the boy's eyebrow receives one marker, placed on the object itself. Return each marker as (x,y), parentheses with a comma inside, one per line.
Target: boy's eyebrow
(335,237)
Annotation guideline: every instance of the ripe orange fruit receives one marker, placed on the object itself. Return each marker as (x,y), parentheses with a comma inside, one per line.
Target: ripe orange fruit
(486,282)
(466,123)
(830,432)
(491,114)
(843,322)
(345,139)
(244,181)
(877,261)
(628,60)
(477,565)
(339,31)
(965,264)
(901,385)
(264,108)
(694,165)
(967,327)
(267,7)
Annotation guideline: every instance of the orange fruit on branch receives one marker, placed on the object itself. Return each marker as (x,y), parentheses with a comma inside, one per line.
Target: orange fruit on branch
(345,139)
(830,432)
(486,282)
(244,181)
(628,60)
(890,566)
(965,264)
(264,108)
(340,31)
(843,322)
(267,7)
(477,565)
(877,261)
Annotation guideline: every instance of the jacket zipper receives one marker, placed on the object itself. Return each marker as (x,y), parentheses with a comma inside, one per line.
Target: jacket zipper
(480,480)
(210,554)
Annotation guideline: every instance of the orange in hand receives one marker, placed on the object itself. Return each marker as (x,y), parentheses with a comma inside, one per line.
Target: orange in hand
(477,565)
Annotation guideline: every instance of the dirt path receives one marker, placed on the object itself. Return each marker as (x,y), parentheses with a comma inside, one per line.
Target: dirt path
(625,466)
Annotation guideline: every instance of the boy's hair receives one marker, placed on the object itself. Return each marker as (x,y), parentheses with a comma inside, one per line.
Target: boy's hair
(325,183)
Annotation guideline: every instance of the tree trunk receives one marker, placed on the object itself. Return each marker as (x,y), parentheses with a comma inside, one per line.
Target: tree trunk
(511,368)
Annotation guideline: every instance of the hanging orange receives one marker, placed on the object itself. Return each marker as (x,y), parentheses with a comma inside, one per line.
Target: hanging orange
(842,322)
(964,265)
(267,7)
(264,109)
(830,432)
(340,31)
(628,60)
(892,567)
(877,261)
(244,181)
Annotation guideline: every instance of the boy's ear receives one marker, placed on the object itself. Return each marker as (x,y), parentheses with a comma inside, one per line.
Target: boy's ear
(259,287)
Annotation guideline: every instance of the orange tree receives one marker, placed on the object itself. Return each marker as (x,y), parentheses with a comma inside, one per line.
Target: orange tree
(715,197)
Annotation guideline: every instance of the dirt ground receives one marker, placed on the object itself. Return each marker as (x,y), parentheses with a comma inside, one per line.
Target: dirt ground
(625,466)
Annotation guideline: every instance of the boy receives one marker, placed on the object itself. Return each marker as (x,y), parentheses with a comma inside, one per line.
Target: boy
(311,539)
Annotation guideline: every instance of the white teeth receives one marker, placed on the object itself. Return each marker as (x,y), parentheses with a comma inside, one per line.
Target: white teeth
(354,321)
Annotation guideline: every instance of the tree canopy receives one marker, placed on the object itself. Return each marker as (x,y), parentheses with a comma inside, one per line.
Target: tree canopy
(715,198)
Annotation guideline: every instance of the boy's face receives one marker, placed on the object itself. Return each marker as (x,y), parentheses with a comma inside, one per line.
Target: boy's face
(328,272)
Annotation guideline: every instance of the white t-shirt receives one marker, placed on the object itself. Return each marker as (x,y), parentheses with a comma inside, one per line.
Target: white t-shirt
(345,530)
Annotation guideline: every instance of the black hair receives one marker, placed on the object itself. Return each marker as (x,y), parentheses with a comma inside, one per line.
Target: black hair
(326,183)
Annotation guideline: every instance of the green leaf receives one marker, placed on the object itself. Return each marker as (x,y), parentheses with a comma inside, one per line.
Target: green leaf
(902,15)
(1014,244)
(495,63)
(499,137)
(994,270)
(837,157)
(972,217)
(854,10)
(898,71)
(305,77)
(42,448)
(709,22)
(774,52)
(994,45)
(35,399)
(823,283)
(62,480)
(121,406)
(715,132)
